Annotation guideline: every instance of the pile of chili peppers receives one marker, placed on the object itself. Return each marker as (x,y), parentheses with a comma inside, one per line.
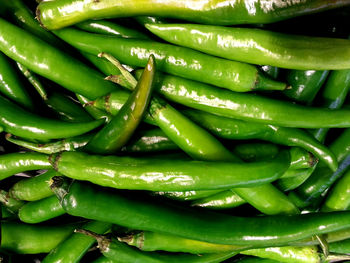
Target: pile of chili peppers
(175,131)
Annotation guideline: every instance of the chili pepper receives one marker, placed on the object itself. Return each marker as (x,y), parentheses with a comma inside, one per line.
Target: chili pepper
(69,144)
(118,131)
(175,60)
(271,71)
(66,108)
(93,111)
(5,213)
(305,84)
(187,195)
(11,86)
(167,175)
(109,28)
(11,204)
(255,260)
(342,247)
(118,251)
(87,201)
(53,15)
(41,210)
(34,80)
(323,178)
(32,239)
(72,249)
(13,163)
(222,200)
(153,140)
(250,152)
(19,122)
(256,46)
(238,129)
(339,197)
(47,61)
(33,188)
(298,177)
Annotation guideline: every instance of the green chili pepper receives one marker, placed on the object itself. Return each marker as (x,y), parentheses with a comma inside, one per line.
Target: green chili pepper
(255,260)
(19,122)
(297,178)
(175,60)
(305,84)
(256,46)
(72,249)
(51,63)
(69,144)
(167,175)
(32,239)
(254,151)
(85,200)
(271,71)
(118,131)
(109,28)
(93,111)
(13,163)
(34,188)
(187,195)
(222,200)
(238,129)
(66,108)
(41,210)
(34,80)
(120,252)
(53,15)
(339,197)
(342,247)
(11,204)
(11,86)
(245,106)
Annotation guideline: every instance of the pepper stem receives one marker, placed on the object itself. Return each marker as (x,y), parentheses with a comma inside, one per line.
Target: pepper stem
(337,257)
(103,242)
(324,245)
(128,76)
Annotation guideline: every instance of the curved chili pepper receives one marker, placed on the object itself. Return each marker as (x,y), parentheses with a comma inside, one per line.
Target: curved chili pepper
(93,111)
(11,204)
(167,175)
(118,131)
(187,195)
(41,210)
(74,247)
(85,200)
(53,15)
(256,46)
(47,61)
(297,178)
(305,84)
(11,86)
(175,60)
(33,239)
(19,122)
(13,163)
(109,28)
(34,188)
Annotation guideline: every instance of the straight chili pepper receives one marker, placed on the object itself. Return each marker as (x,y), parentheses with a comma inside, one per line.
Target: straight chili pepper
(93,111)
(175,60)
(11,204)
(53,15)
(51,63)
(118,131)
(85,200)
(13,163)
(167,175)
(19,122)
(256,46)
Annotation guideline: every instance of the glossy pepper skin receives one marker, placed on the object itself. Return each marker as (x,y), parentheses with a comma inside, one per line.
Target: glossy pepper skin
(50,62)
(81,199)
(167,175)
(22,123)
(55,15)
(172,59)
(258,46)
(11,86)
(13,163)
(118,131)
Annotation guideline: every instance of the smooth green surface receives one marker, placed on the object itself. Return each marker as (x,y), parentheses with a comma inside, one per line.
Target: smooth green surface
(41,210)
(55,15)
(11,204)
(167,175)
(172,59)
(51,63)
(91,202)
(12,163)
